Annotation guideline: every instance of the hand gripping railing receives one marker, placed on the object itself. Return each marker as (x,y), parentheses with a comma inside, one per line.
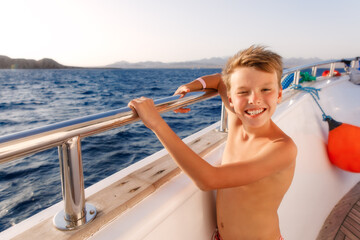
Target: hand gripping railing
(66,136)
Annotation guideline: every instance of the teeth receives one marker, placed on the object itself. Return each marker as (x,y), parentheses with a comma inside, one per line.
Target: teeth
(254,112)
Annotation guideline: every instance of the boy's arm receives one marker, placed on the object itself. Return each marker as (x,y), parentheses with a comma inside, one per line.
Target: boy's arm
(213,81)
(194,166)
(273,158)
(270,160)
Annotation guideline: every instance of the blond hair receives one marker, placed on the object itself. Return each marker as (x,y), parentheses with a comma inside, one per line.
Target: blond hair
(255,56)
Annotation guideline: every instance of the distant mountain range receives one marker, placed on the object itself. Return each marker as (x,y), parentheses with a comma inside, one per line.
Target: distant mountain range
(203,63)
(20,63)
(216,62)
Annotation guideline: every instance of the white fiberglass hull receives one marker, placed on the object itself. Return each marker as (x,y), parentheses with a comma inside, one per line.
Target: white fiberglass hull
(318,185)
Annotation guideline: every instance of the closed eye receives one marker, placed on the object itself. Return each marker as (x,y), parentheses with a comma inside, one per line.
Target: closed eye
(266,89)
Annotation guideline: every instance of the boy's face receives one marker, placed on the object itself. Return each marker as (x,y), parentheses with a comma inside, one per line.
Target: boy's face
(254,95)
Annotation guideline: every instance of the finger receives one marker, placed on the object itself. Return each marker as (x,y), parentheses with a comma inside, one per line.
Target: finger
(132,106)
(177,92)
(181,90)
(183,93)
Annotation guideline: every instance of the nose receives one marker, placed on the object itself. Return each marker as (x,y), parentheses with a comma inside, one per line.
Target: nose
(254,98)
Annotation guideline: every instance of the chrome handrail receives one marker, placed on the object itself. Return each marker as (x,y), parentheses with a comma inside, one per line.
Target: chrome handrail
(21,144)
(66,136)
(314,66)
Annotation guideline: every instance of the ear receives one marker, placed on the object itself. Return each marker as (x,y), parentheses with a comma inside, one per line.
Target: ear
(230,101)
(280,95)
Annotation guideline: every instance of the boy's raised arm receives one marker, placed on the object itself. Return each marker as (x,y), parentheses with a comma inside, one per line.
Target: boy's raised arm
(213,81)
(210,81)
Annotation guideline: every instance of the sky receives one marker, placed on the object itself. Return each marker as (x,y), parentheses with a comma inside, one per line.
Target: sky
(91,33)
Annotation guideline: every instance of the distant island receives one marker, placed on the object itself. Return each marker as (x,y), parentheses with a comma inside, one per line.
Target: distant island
(20,63)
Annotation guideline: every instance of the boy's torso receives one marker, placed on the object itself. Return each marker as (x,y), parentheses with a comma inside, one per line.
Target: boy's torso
(250,211)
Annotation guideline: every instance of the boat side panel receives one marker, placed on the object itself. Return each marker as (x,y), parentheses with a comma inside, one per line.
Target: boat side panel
(194,219)
(317,184)
(172,212)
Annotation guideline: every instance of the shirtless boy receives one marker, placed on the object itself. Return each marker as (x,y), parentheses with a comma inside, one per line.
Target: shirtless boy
(259,158)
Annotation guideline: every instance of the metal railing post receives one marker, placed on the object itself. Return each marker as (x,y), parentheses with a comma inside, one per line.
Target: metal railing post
(332,69)
(352,65)
(223,121)
(75,213)
(296,77)
(314,71)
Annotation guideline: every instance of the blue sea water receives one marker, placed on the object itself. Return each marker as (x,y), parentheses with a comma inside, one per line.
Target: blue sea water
(34,98)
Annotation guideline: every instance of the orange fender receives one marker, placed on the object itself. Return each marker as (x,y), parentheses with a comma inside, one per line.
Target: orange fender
(344,146)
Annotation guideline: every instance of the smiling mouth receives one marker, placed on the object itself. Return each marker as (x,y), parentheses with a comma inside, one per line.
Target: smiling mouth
(255,111)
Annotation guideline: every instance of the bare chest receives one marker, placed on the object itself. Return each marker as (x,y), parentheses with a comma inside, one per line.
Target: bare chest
(237,150)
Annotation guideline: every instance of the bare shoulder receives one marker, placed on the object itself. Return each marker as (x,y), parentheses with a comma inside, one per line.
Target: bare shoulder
(282,148)
(287,145)
(282,138)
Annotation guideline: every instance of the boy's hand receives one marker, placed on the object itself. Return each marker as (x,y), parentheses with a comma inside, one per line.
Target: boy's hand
(146,110)
(182,91)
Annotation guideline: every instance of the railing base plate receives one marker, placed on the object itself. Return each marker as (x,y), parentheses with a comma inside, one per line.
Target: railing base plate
(64,225)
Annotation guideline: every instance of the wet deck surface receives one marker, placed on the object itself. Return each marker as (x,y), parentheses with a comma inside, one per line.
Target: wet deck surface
(343,223)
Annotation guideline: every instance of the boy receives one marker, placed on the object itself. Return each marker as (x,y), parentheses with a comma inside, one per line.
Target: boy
(259,159)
